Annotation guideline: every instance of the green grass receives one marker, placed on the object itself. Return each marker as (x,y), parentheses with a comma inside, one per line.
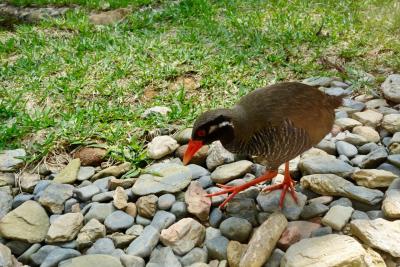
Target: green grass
(73,83)
(85,3)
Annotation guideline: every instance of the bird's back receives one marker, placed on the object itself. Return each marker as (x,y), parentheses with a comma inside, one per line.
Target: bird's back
(283,120)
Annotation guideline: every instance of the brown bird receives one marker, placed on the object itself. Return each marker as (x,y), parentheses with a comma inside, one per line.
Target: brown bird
(278,123)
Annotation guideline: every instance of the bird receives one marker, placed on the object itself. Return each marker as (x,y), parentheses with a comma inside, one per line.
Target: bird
(277,122)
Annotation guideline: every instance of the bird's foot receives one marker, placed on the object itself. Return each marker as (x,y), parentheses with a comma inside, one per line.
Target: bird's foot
(286,185)
(234,190)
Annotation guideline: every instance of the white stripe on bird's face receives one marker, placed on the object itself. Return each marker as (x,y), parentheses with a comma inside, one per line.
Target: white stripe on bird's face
(219,126)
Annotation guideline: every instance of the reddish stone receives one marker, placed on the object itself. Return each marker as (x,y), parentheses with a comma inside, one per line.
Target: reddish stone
(290,236)
(91,156)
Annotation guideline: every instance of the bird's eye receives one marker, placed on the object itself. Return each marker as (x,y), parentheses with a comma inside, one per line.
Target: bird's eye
(201,133)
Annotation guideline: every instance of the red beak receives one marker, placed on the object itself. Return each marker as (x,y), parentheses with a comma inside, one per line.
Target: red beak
(193,147)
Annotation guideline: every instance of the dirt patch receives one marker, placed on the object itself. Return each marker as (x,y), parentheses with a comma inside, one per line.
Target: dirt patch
(188,81)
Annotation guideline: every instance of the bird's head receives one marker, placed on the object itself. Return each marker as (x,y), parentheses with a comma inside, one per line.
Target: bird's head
(210,126)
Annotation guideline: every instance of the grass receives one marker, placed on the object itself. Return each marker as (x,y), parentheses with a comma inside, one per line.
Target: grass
(65,82)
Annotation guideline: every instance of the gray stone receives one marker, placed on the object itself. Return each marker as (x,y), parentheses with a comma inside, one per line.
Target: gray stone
(166,201)
(94,260)
(118,221)
(374,158)
(26,256)
(102,246)
(367,148)
(328,146)
(194,256)
(356,105)
(236,229)
(212,233)
(19,199)
(162,220)
(319,81)
(17,247)
(87,192)
(269,202)
(217,248)
(162,177)
(28,181)
(142,221)
(359,215)
(218,155)
(313,210)
(144,244)
(69,174)
(216,216)
(7,178)
(99,211)
(179,209)
(394,159)
(275,258)
(323,165)
(205,181)
(333,185)
(54,197)
(163,257)
(243,207)
(10,160)
(183,136)
(343,201)
(85,173)
(337,217)
(391,88)
(228,172)
(389,167)
(375,214)
(41,186)
(103,183)
(132,261)
(103,197)
(346,149)
(57,255)
(69,205)
(113,171)
(327,230)
(135,230)
(197,171)
(38,257)
(64,228)
(6,201)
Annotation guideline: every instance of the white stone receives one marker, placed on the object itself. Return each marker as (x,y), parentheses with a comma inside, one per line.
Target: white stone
(161,146)
(337,217)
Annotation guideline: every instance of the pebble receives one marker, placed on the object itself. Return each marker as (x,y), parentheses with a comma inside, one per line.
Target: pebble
(196,255)
(163,111)
(91,156)
(321,200)
(41,254)
(142,221)
(162,177)
(320,81)
(375,214)
(143,245)
(162,219)
(228,172)
(322,165)
(93,260)
(54,197)
(263,240)
(236,229)
(357,214)
(163,257)
(212,233)
(64,228)
(369,133)
(10,160)
(7,178)
(147,206)
(269,202)
(217,248)
(205,181)
(243,208)
(120,198)
(275,258)
(115,171)
(218,155)
(313,210)
(69,174)
(131,209)
(391,202)
(166,201)
(198,171)
(6,203)
(102,183)
(379,233)
(330,184)
(368,118)
(89,233)
(346,149)
(367,148)
(391,123)
(343,201)
(389,167)
(135,230)
(391,88)
(327,230)
(373,178)
(85,173)
(118,221)
(183,136)
(337,217)
(28,181)
(234,252)
(342,251)
(179,209)
(132,261)
(59,254)
(197,202)
(347,123)
(87,192)
(374,158)
(102,246)
(99,211)
(183,235)
(161,146)
(29,222)
(216,216)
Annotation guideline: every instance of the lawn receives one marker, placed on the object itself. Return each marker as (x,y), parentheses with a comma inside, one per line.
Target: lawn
(65,82)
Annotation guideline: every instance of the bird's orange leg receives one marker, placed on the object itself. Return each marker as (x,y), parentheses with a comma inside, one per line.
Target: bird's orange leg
(286,185)
(236,189)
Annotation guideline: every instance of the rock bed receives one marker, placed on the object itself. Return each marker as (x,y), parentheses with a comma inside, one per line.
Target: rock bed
(348,212)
